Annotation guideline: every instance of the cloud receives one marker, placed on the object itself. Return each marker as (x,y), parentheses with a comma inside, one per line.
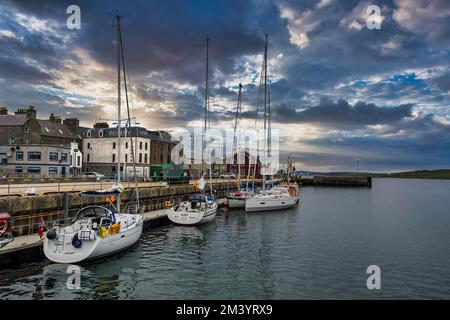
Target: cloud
(430,17)
(330,77)
(342,114)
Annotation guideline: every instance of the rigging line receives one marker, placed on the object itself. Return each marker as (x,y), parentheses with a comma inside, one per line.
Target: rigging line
(265,83)
(118,106)
(129,119)
(206,84)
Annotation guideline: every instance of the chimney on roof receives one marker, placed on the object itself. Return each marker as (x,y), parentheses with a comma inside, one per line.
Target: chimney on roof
(101,125)
(30,112)
(3,111)
(55,119)
(73,124)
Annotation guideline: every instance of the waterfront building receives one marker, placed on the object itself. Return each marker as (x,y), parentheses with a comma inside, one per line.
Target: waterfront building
(152,150)
(35,160)
(32,147)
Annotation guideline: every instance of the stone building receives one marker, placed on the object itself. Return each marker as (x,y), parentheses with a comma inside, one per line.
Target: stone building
(36,147)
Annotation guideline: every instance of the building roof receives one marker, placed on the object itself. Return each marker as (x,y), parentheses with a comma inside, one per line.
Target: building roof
(13,120)
(53,129)
(130,132)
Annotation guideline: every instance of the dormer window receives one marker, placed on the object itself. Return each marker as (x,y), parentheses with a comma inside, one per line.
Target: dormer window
(89,133)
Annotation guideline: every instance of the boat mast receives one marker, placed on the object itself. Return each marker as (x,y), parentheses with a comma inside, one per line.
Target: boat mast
(236,132)
(207,120)
(132,147)
(269,129)
(206,108)
(265,101)
(118,106)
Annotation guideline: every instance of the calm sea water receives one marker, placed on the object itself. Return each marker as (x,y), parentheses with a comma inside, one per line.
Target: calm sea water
(320,249)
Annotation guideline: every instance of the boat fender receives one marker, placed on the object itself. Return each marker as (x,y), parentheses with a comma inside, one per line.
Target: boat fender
(51,234)
(76,242)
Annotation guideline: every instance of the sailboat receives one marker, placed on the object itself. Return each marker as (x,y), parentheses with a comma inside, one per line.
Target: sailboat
(198,208)
(236,199)
(99,231)
(272,197)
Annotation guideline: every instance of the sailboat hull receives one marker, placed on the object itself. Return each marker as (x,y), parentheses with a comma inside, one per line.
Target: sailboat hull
(236,203)
(192,217)
(61,250)
(267,204)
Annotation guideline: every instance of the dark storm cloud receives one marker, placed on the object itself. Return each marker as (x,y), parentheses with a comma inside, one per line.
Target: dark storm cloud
(163,35)
(339,114)
(414,142)
(13,69)
(442,82)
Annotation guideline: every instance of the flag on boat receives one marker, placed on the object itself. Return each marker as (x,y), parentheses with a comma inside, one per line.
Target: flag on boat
(41,228)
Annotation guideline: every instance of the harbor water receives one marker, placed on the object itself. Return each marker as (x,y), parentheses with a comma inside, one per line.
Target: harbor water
(318,250)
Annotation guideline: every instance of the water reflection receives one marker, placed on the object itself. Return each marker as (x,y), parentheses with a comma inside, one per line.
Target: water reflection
(319,250)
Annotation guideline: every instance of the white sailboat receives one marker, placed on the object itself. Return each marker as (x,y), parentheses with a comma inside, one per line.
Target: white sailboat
(198,208)
(98,231)
(281,196)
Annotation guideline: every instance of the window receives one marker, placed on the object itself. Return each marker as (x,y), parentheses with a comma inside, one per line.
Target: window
(71,160)
(140,145)
(88,157)
(63,157)
(114,158)
(34,170)
(89,146)
(34,156)
(100,133)
(27,130)
(78,161)
(114,145)
(4,161)
(52,171)
(140,157)
(89,133)
(53,156)
(126,145)
(146,146)
(145,158)
(19,169)
(126,157)
(19,155)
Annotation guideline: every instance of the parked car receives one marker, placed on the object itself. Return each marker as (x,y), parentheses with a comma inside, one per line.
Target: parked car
(113,176)
(92,174)
(228,175)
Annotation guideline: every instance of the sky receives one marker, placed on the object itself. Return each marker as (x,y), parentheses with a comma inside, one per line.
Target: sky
(340,91)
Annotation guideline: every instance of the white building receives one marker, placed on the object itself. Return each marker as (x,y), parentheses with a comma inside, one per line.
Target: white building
(35,160)
(100,150)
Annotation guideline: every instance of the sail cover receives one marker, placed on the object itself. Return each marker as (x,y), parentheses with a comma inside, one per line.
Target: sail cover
(202,184)
(113,191)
